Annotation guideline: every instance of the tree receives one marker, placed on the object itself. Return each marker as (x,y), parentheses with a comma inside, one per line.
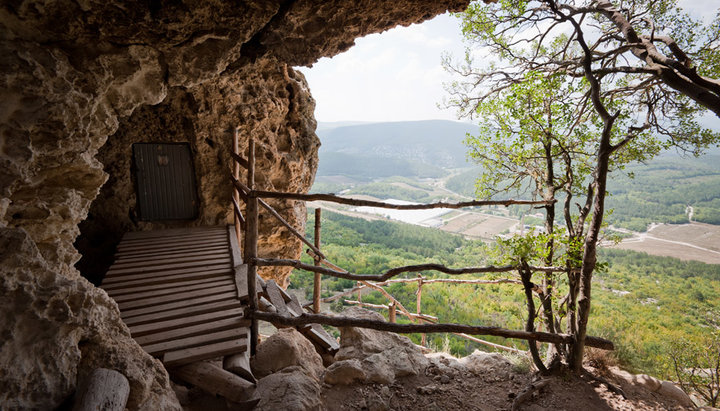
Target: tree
(605,84)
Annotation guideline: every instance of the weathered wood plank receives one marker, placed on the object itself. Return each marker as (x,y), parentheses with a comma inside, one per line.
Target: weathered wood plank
(188,303)
(170,290)
(143,287)
(199,238)
(234,246)
(178,323)
(165,260)
(166,267)
(163,246)
(294,306)
(241,282)
(174,297)
(239,364)
(133,235)
(182,312)
(216,381)
(276,297)
(189,355)
(203,339)
(162,253)
(143,279)
(318,334)
(167,275)
(190,330)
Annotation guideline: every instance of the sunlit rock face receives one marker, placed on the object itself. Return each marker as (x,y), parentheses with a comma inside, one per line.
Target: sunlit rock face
(83,80)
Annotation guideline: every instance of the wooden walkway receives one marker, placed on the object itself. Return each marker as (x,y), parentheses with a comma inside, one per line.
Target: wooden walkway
(179,294)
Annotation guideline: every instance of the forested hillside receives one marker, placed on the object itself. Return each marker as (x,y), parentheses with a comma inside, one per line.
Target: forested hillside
(646,302)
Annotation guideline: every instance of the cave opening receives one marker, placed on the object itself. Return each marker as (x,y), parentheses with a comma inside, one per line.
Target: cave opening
(152,180)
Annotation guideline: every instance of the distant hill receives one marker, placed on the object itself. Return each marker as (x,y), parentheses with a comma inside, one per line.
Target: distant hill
(431,143)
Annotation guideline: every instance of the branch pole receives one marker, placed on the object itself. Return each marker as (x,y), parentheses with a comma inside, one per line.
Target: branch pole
(367,203)
(392,309)
(423,337)
(251,237)
(318,277)
(306,318)
(238,219)
(277,262)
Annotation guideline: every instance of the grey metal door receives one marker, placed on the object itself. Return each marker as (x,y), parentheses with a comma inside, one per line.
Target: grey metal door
(165,181)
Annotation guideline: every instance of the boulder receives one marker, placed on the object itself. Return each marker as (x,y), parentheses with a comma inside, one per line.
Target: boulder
(361,343)
(290,390)
(344,372)
(283,349)
(669,389)
(483,363)
(378,369)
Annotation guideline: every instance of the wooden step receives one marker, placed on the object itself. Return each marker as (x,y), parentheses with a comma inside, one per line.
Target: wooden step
(139,254)
(139,330)
(181,312)
(189,355)
(203,339)
(174,297)
(167,267)
(190,330)
(169,279)
(134,235)
(189,303)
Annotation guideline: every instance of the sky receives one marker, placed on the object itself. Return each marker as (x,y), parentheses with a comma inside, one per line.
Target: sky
(397,75)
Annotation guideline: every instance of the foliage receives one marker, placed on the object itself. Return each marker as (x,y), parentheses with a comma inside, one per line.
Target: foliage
(696,365)
(644,300)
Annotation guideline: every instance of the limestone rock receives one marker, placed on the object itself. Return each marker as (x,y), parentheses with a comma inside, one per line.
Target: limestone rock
(483,363)
(361,343)
(378,369)
(286,348)
(291,389)
(344,372)
(669,389)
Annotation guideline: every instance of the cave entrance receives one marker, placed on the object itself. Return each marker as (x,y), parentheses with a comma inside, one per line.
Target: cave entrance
(165,181)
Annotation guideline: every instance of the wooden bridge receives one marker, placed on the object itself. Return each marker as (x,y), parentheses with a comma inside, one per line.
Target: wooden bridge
(183,293)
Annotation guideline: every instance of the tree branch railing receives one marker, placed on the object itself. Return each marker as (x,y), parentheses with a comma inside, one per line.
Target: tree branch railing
(249,224)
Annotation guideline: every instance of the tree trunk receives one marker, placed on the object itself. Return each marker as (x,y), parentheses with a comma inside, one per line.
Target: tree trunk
(525,275)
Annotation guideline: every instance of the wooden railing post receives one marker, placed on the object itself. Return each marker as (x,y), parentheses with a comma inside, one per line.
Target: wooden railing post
(318,276)
(236,174)
(251,237)
(392,311)
(419,300)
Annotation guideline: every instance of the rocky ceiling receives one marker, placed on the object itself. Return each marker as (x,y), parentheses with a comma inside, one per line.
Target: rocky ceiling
(83,79)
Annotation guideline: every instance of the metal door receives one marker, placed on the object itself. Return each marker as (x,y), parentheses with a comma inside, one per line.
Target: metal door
(165,181)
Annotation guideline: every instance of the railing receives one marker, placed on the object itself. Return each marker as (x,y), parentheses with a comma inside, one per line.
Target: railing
(248,224)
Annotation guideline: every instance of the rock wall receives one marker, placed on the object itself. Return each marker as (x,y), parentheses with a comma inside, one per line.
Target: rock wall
(75,74)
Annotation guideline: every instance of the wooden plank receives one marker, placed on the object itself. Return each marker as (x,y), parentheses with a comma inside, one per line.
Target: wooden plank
(135,288)
(213,379)
(189,270)
(121,282)
(234,246)
(196,329)
(239,364)
(241,282)
(173,239)
(189,355)
(166,267)
(181,312)
(164,260)
(220,269)
(203,339)
(174,297)
(276,298)
(189,320)
(189,303)
(294,306)
(164,246)
(121,256)
(131,235)
(320,336)
(165,291)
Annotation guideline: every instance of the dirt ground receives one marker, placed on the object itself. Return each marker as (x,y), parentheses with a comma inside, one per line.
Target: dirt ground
(694,241)
(485,393)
